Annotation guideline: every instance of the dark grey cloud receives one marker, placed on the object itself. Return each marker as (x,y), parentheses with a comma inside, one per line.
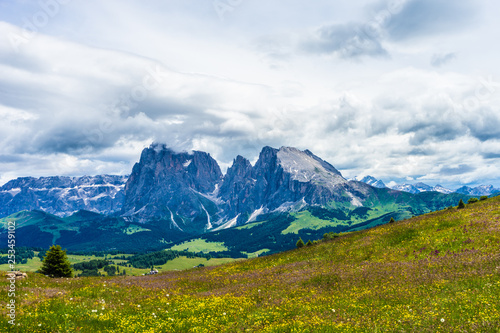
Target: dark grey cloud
(166,108)
(437,120)
(485,125)
(351,40)
(491,156)
(421,152)
(73,138)
(434,132)
(439,60)
(456,170)
(413,18)
(11,158)
(426,17)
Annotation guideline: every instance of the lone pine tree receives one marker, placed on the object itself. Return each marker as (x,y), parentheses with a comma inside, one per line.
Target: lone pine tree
(461,204)
(55,263)
(300,243)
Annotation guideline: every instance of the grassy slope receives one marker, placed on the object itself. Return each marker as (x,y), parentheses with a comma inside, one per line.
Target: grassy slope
(436,272)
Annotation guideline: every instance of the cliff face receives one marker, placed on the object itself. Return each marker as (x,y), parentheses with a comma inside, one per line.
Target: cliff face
(172,186)
(282,180)
(237,189)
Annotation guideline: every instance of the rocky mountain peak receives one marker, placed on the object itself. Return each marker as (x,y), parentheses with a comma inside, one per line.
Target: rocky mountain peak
(304,166)
(170,184)
(241,167)
(370,180)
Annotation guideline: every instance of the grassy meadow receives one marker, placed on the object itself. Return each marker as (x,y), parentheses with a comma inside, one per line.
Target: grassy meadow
(438,272)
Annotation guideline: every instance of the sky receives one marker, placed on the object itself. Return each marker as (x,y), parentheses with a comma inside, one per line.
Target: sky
(402,90)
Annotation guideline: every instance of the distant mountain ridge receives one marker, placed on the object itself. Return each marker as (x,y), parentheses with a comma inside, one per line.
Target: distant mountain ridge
(478,190)
(63,196)
(372,181)
(422,187)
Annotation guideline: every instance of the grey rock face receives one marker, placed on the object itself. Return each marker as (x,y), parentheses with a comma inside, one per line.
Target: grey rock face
(189,192)
(237,187)
(282,180)
(174,186)
(63,196)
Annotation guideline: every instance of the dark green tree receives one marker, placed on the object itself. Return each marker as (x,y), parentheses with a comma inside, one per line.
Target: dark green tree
(55,263)
(392,220)
(483,197)
(110,270)
(300,243)
(472,200)
(461,204)
(309,243)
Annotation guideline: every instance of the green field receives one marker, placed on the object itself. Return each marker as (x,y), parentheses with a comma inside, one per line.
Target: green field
(182,263)
(256,253)
(434,273)
(176,264)
(305,220)
(200,245)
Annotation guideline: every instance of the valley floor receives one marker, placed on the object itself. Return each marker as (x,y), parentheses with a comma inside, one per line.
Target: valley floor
(434,273)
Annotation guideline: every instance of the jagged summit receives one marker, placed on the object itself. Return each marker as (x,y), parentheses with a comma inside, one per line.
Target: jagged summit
(478,190)
(372,181)
(167,184)
(282,180)
(305,167)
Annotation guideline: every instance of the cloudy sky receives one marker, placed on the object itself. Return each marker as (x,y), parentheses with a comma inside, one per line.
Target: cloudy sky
(403,90)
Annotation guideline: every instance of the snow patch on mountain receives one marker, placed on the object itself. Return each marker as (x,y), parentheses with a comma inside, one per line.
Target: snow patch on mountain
(13,192)
(62,196)
(229,224)
(209,223)
(354,201)
(305,167)
(255,214)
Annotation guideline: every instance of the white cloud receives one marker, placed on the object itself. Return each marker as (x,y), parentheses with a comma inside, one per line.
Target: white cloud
(90,95)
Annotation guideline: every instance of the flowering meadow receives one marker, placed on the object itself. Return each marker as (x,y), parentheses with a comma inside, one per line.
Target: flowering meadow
(439,272)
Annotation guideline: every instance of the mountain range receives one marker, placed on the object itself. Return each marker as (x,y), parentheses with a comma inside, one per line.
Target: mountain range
(63,196)
(422,187)
(173,198)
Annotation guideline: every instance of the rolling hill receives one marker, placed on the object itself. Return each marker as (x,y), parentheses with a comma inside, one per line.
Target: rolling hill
(435,272)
